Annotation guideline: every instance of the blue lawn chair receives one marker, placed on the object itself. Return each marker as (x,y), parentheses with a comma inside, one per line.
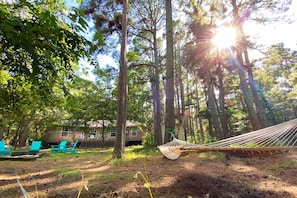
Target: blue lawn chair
(3,150)
(59,148)
(34,147)
(71,149)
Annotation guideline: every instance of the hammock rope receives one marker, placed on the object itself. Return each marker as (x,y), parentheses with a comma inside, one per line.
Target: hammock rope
(268,141)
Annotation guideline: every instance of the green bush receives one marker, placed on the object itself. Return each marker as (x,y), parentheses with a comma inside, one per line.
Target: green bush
(148,140)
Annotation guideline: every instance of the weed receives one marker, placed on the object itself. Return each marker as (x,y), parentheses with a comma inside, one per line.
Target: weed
(24,192)
(84,186)
(147,184)
(285,165)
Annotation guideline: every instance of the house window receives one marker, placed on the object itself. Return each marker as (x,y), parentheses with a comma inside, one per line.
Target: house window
(92,134)
(112,133)
(133,132)
(65,132)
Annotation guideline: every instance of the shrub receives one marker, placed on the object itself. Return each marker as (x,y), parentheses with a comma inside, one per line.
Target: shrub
(148,140)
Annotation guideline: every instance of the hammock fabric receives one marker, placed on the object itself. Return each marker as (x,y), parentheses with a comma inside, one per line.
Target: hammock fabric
(264,142)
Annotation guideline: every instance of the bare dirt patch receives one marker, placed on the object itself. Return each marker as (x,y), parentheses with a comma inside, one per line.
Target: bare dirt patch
(194,175)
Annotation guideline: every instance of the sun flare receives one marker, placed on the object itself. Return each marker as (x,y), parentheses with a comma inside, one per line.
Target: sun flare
(225,37)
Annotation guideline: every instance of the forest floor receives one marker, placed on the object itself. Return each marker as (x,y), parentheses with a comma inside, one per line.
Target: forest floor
(92,173)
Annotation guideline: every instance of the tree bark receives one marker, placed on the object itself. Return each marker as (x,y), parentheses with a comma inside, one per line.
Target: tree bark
(169,87)
(241,71)
(223,115)
(257,101)
(122,90)
(201,130)
(156,93)
(212,107)
(24,134)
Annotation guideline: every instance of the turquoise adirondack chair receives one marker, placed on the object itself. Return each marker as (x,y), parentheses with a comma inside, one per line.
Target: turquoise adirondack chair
(34,147)
(3,150)
(71,149)
(59,148)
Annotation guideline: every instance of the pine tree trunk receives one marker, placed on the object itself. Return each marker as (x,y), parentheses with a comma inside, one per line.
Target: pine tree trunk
(213,110)
(246,94)
(169,87)
(223,115)
(241,71)
(24,134)
(259,106)
(156,94)
(201,130)
(1,130)
(122,90)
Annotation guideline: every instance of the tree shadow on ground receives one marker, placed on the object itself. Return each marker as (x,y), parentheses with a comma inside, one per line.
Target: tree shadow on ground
(204,186)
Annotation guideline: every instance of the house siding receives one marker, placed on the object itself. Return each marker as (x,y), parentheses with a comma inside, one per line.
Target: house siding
(94,137)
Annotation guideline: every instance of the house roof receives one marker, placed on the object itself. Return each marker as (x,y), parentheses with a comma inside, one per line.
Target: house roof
(98,123)
(106,123)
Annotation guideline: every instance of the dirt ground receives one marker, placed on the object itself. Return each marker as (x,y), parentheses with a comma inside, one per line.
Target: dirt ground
(194,175)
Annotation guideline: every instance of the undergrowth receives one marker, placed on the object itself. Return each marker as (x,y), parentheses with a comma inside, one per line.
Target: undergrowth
(285,165)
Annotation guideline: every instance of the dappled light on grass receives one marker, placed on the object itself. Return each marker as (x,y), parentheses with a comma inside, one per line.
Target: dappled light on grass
(22,176)
(93,173)
(96,169)
(28,182)
(69,172)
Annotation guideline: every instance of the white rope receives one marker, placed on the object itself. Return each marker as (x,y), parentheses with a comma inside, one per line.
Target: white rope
(281,135)
(268,137)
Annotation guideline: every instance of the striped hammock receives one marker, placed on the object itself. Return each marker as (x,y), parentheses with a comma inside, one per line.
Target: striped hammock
(264,142)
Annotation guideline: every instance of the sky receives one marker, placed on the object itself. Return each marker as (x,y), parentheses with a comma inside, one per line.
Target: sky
(279,32)
(267,35)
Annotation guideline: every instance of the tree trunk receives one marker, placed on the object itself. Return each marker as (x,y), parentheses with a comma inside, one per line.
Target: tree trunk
(178,91)
(1,130)
(183,108)
(178,106)
(241,71)
(223,115)
(246,96)
(248,66)
(24,134)
(103,134)
(156,94)
(169,89)
(201,130)
(258,104)
(122,90)
(212,107)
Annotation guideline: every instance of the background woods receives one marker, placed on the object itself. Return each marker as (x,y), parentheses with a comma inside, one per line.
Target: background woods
(169,74)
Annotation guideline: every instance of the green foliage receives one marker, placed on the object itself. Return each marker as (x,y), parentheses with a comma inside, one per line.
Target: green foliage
(67,172)
(148,140)
(235,146)
(196,139)
(246,145)
(37,47)
(209,139)
(132,56)
(39,53)
(278,83)
(251,145)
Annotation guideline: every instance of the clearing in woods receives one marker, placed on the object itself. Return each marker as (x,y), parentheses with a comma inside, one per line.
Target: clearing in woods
(93,173)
